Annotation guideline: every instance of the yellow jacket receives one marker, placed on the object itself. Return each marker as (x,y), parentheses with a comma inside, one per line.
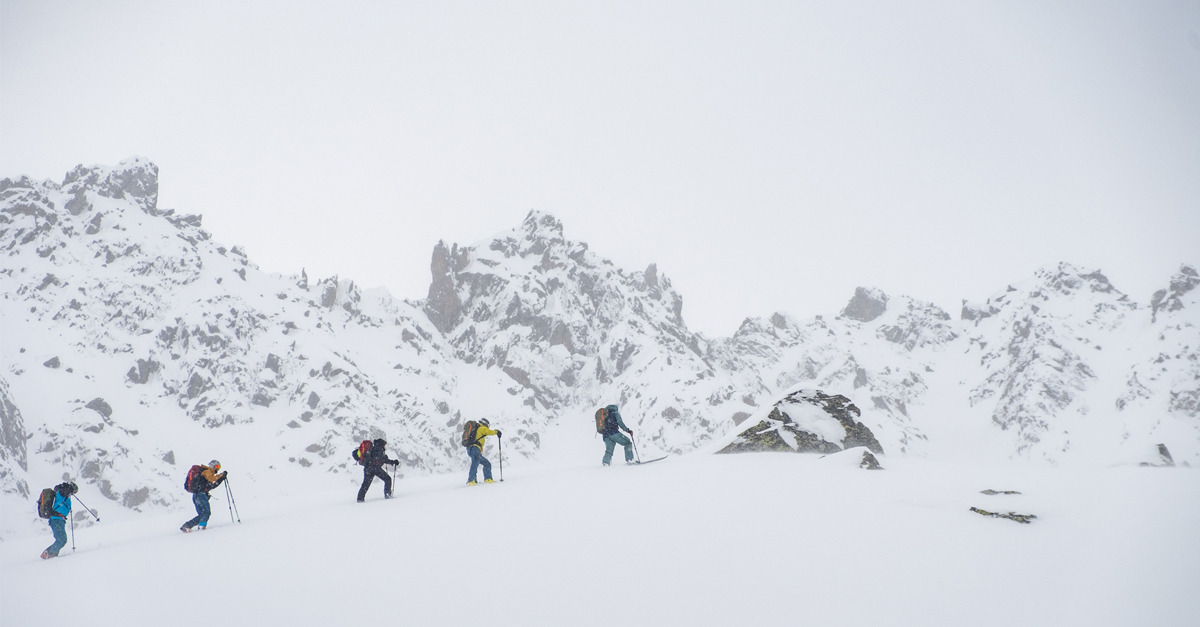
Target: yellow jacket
(211,477)
(481,432)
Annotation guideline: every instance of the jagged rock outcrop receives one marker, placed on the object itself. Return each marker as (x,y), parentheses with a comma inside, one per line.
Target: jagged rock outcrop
(807,421)
(13,456)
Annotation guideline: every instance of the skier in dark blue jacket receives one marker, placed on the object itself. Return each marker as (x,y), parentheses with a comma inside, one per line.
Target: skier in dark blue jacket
(373,467)
(58,518)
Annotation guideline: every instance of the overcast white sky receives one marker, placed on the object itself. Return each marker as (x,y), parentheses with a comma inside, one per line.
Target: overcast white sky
(767,155)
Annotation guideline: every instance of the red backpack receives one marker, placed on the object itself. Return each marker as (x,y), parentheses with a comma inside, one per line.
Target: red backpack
(190,482)
(360,453)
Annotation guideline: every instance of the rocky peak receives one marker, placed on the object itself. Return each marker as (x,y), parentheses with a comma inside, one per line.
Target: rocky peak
(866,305)
(539,225)
(1172,298)
(135,178)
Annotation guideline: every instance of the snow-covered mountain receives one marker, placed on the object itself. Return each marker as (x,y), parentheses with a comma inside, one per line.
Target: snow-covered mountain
(134,344)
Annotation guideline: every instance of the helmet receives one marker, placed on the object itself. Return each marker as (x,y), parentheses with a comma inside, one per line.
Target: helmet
(611,408)
(214,464)
(380,442)
(484,422)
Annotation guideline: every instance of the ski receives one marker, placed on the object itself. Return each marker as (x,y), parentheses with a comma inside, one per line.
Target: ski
(650,461)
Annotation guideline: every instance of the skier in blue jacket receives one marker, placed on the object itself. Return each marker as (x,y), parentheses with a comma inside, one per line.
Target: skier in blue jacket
(58,518)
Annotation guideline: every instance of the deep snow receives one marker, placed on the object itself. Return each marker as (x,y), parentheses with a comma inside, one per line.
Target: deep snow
(752,539)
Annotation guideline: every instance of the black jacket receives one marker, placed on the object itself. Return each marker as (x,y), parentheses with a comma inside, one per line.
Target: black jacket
(376,458)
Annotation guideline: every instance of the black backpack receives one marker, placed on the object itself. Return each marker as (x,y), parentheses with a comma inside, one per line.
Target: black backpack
(46,503)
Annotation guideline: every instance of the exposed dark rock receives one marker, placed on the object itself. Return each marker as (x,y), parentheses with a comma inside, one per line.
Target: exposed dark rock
(1024,519)
(12,444)
(869,462)
(133,498)
(443,306)
(780,432)
(142,372)
(1165,455)
(866,305)
(53,362)
(99,406)
(1171,299)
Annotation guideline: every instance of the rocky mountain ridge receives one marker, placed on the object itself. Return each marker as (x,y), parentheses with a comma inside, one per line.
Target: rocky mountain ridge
(132,341)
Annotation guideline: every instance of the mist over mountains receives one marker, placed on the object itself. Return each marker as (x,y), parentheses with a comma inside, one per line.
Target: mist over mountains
(133,342)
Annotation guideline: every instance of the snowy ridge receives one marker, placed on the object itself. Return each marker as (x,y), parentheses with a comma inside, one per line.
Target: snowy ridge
(134,344)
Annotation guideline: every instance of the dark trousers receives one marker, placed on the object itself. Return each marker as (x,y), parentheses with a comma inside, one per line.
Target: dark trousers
(369,473)
(203,511)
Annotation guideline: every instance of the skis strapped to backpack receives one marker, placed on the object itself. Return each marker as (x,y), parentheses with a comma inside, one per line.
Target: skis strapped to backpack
(360,453)
(469,431)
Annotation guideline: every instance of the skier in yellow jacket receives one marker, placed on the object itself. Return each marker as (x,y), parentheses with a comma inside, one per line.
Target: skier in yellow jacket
(475,452)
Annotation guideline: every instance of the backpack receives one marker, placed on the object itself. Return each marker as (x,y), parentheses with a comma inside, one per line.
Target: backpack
(46,503)
(190,482)
(469,430)
(606,421)
(360,453)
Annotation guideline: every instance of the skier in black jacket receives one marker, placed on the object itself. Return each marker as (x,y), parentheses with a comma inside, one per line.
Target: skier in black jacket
(373,463)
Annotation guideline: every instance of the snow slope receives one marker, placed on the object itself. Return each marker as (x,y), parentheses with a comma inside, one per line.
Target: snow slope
(752,539)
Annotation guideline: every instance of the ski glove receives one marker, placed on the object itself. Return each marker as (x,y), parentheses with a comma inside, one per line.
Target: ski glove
(394,462)
(630,431)
(499,435)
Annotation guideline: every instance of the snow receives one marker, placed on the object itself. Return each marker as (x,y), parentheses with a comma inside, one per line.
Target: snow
(754,539)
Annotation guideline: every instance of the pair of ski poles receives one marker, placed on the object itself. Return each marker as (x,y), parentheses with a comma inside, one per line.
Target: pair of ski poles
(232,502)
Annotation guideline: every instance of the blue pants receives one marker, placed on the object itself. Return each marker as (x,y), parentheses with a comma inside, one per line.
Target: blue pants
(477,460)
(203,511)
(611,441)
(59,527)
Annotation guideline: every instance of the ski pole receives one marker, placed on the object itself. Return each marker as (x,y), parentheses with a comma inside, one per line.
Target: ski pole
(635,451)
(232,502)
(72,531)
(500,448)
(230,499)
(86,507)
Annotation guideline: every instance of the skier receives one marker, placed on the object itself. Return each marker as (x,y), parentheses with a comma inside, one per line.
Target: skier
(612,436)
(475,452)
(205,481)
(58,518)
(373,463)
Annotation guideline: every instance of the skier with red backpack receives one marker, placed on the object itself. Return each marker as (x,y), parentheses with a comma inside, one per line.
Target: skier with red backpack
(373,455)
(200,479)
(58,510)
